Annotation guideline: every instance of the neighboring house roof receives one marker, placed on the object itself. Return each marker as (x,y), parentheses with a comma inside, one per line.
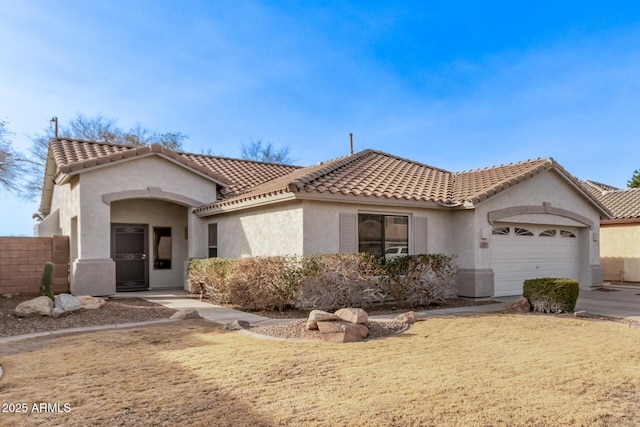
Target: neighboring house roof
(623,204)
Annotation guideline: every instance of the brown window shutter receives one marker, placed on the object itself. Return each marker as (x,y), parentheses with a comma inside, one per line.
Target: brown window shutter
(420,235)
(348,233)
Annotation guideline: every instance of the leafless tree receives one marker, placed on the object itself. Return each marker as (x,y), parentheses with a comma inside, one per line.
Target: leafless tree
(255,150)
(97,128)
(11,165)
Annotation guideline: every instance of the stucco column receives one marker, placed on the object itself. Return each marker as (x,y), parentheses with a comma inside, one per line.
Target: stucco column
(94,272)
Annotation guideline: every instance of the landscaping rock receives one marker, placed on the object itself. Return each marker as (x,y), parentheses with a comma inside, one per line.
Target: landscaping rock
(409,318)
(90,303)
(41,306)
(341,332)
(185,314)
(521,305)
(580,313)
(236,325)
(353,315)
(65,304)
(319,316)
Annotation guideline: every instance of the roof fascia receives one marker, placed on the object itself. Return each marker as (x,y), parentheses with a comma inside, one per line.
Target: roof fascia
(566,177)
(246,204)
(338,198)
(49,182)
(620,221)
(369,200)
(576,185)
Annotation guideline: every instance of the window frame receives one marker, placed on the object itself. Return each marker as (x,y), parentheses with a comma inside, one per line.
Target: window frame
(396,219)
(212,248)
(162,263)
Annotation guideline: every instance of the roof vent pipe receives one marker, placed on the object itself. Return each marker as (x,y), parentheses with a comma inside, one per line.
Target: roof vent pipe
(54,119)
(351,142)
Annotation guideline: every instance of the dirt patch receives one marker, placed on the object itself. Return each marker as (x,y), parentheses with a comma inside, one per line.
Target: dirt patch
(115,311)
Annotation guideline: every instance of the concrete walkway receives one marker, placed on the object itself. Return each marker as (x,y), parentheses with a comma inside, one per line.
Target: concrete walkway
(617,301)
(611,300)
(179,299)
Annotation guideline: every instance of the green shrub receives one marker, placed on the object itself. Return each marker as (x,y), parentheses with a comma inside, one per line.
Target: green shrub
(46,282)
(331,281)
(420,279)
(551,295)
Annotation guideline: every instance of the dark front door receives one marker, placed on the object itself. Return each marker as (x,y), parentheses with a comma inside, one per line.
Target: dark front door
(129,251)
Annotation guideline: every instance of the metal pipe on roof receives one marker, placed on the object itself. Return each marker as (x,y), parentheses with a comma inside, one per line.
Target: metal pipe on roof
(351,142)
(54,119)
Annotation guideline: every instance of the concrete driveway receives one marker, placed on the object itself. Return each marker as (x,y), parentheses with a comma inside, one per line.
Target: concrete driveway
(611,301)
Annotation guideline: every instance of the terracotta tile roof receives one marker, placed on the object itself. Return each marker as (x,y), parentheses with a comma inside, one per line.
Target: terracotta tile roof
(242,174)
(376,174)
(480,184)
(369,173)
(236,175)
(623,204)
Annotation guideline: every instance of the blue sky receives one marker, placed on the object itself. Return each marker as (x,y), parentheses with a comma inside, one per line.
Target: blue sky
(457,85)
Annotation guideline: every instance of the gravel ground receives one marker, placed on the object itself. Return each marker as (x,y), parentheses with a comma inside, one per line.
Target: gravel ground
(297,329)
(129,310)
(115,311)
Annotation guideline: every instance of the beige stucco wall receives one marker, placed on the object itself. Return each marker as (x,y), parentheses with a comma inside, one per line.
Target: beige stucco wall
(302,227)
(620,252)
(322,224)
(261,231)
(134,175)
(157,213)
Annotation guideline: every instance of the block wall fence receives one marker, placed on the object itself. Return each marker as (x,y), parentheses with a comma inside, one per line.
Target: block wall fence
(22,262)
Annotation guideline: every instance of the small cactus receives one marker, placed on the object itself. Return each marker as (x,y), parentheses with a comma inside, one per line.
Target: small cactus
(46,282)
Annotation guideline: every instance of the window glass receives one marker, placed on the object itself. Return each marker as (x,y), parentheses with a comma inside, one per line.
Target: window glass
(500,231)
(549,233)
(522,232)
(565,233)
(383,234)
(162,248)
(213,240)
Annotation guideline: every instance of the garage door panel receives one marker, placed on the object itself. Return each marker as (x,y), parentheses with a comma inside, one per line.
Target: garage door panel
(517,258)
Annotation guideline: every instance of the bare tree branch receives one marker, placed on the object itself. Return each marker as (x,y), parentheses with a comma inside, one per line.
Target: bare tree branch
(267,153)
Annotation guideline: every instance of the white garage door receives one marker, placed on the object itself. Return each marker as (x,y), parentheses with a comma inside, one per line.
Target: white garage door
(523,251)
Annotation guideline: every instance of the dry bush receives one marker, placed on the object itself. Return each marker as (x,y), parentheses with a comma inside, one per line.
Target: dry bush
(420,279)
(324,282)
(332,281)
(209,277)
(263,283)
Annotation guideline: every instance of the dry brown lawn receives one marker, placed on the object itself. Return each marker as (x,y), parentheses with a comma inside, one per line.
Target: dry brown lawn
(485,370)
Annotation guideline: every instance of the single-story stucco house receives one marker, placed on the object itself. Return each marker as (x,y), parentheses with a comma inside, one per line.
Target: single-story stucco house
(135,216)
(619,235)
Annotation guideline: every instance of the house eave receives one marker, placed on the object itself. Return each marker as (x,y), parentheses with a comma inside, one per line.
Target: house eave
(245,204)
(618,221)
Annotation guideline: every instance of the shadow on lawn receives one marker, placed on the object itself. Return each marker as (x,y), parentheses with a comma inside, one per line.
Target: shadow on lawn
(138,376)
